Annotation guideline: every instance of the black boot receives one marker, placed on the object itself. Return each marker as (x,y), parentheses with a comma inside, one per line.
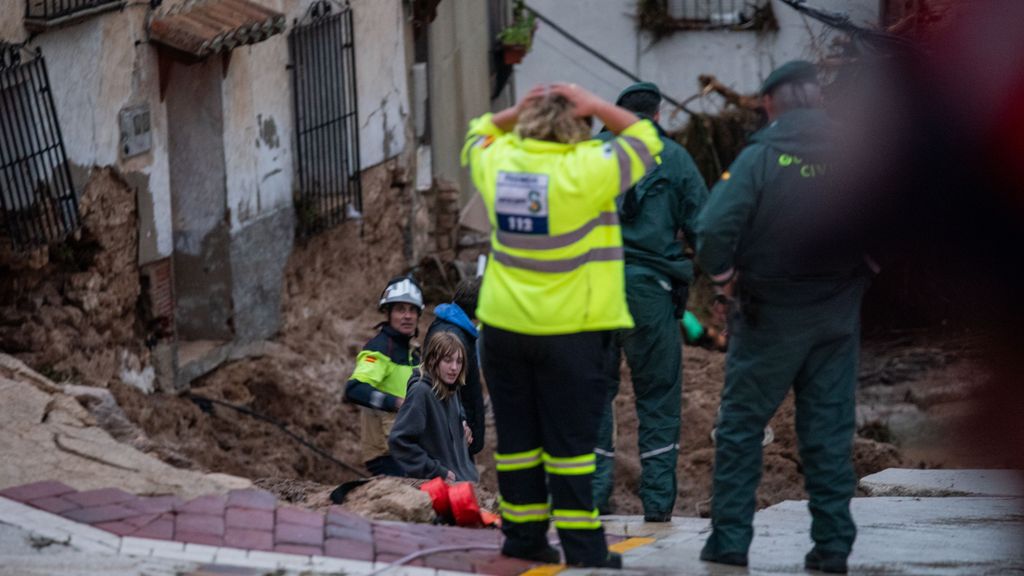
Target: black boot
(826,561)
(658,517)
(731,558)
(543,553)
(613,560)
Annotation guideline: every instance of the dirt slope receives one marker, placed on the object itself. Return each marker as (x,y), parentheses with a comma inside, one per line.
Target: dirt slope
(48,435)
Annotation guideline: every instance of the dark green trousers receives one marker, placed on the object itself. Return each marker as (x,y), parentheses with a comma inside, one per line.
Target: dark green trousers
(653,351)
(813,349)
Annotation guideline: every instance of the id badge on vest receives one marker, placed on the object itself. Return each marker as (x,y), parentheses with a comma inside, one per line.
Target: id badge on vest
(521,202)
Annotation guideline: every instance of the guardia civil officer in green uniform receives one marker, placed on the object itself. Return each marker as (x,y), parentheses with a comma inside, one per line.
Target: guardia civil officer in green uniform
(797,286)
(658,275)
(552,294)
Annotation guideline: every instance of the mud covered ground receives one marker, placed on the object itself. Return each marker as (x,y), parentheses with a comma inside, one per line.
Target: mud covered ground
(916,387)
(915,392)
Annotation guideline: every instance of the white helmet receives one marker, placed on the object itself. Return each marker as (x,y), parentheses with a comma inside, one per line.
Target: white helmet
(402,289)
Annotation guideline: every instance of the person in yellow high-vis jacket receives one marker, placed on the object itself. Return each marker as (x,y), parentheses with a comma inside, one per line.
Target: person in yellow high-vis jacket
(552,293)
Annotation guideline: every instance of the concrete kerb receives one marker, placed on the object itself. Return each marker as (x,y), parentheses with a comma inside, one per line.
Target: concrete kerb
(93,540)
(942,483)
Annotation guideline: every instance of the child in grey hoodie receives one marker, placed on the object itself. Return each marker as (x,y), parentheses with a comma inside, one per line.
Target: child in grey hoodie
(430,437)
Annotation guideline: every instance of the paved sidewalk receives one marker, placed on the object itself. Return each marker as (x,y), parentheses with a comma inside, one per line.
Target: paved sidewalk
(48,527)
(952,536)
(243,528)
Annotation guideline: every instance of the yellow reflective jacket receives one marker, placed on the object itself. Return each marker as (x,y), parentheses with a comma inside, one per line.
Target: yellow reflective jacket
(556,261)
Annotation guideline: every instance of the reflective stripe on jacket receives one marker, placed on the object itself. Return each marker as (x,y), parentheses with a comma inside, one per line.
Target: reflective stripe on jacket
(556,262)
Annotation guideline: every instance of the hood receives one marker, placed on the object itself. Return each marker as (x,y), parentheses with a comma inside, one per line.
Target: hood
(800,132)
(454,314)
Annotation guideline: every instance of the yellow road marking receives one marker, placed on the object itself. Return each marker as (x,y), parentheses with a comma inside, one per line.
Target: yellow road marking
(629,544)
(545,570)
(620,547)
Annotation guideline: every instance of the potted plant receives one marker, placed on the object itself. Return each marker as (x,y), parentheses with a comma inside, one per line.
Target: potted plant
(518,35)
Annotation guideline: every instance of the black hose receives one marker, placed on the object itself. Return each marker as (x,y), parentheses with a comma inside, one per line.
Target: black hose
(206,405)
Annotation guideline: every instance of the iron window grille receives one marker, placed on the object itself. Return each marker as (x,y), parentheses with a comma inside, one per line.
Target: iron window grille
(38,202)
(322,48)
(41,14)
(666,16)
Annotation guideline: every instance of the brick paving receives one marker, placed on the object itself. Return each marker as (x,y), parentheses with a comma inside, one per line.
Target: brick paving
(254,520)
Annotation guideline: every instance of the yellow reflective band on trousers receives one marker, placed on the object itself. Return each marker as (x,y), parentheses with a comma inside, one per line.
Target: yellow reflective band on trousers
(576,519)
(518,460)
(570,466)
(521,513)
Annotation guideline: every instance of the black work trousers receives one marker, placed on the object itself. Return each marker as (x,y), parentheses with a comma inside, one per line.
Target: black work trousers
(548,394)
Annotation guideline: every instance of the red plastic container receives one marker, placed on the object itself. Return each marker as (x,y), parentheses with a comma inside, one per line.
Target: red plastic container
(464,505)
(438,492)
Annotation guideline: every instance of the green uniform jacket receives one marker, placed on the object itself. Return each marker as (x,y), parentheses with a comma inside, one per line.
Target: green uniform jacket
(667,200)
(765,217)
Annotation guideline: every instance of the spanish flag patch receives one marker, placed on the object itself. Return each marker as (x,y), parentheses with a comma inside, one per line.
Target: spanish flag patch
(370,359)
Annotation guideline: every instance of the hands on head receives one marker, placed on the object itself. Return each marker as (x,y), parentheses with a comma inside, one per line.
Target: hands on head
(584,102)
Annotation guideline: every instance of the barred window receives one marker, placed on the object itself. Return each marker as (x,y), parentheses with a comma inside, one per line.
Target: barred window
(323,65)
(40,14)
(664,16)
(38,203)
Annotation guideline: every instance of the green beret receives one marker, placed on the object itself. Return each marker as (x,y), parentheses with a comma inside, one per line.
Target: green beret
(792,71)
(639,87)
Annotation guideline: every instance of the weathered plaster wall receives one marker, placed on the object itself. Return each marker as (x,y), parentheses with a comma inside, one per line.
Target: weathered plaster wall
(259,254)
(91,66)
(459,83)
(258,131)
(215,190)
(202,274)
(739,59)
(12,15)
(97,67)
(156,239)
(382,89)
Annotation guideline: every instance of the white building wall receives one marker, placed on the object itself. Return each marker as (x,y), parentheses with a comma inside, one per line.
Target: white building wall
(381,72)
(258,130)
(156,237)
(97,67)
(740,60)
(104,63)
(11,15)
(259,127)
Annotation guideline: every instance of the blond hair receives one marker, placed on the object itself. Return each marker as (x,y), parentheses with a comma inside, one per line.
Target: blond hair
(440,346)
(553,119)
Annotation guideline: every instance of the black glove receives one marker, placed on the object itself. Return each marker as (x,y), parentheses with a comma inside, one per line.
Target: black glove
(680,293)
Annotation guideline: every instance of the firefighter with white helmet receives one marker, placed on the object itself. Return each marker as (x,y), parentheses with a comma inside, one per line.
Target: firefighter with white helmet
(383,368)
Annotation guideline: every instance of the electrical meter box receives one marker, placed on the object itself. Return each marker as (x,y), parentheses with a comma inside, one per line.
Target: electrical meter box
(136,131)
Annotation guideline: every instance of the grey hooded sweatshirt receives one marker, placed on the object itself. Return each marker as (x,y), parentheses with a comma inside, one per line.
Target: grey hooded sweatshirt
(427,439)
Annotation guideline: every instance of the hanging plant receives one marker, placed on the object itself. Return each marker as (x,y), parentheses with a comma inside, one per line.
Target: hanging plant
(517,38)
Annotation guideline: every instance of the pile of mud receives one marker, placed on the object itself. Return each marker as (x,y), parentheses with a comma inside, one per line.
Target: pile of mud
(703,376)
(48,435)
(70,311)
(329,311)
